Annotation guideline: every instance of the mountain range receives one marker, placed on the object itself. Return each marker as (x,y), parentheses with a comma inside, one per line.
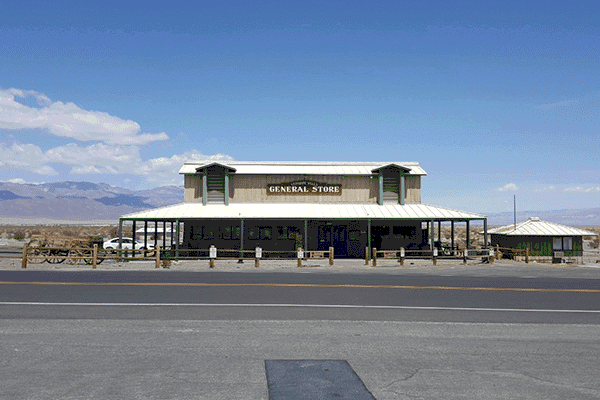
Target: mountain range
(86,202)
(78,201)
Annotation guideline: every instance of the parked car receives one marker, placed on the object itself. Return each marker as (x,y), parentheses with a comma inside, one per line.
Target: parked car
(127,243)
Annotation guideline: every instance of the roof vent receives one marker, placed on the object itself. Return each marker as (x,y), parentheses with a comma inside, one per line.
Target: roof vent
(534,218)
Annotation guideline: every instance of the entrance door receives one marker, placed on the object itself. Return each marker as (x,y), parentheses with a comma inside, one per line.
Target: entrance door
(335,236)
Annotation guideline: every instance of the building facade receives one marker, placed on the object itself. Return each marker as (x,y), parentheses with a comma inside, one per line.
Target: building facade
(280,206)
(546,241)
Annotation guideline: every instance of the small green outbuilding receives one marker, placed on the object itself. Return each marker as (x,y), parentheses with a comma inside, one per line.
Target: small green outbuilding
(545,240)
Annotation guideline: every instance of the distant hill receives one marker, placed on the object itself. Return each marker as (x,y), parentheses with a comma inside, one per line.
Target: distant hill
(81,202)
(78,201)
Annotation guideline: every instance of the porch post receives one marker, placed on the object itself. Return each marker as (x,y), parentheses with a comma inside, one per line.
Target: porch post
(452,235)
(369,237)
(305,235)
(177,239)
(440,231)
(432,234)
(485,235)
(133,238)
(241,240)
(468,234)
(120,233)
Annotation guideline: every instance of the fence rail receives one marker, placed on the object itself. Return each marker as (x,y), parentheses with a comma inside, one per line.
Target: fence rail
(95,255)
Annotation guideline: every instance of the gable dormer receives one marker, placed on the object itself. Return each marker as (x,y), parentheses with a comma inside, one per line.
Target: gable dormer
(392,185)
(215,183)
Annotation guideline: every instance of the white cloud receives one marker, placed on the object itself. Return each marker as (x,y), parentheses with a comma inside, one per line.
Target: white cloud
(100,158)
(579,189)
(509,187)
(69,120)
(89,170)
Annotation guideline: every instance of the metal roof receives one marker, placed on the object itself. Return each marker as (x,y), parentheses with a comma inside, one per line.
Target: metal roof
(302,211)
(536,227)
(302,167)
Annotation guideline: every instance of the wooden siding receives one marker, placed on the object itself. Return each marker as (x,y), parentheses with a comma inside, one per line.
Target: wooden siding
(413,189)
(192,189)
(253,189)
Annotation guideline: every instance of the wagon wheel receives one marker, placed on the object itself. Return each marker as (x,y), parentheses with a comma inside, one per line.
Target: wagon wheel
(34,255)
(88,254)
(57,256)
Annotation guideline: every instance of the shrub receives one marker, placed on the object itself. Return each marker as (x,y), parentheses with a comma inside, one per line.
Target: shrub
(19,235)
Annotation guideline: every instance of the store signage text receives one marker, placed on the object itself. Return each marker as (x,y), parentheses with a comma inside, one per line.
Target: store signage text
(305,188)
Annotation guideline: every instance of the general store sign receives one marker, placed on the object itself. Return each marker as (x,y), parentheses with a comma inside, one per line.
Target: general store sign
(304,187)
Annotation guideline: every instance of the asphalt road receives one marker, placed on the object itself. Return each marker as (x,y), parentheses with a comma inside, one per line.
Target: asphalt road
(207,335)
(283,296)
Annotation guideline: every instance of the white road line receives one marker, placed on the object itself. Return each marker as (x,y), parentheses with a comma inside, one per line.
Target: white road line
(33,303)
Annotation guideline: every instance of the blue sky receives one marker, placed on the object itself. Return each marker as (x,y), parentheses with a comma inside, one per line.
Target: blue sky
(493,100)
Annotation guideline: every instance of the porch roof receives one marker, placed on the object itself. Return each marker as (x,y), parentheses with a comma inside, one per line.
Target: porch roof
(303,211)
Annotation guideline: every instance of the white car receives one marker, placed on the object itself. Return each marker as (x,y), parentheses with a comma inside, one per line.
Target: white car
(127,243)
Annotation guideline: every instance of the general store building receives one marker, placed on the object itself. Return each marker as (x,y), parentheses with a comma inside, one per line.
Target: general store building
(280,206)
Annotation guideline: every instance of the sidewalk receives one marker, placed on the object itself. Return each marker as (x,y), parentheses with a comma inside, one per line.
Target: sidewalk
(503,268)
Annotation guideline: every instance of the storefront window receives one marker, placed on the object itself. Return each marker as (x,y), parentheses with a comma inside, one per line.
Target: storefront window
(568,243)
(265,233)
(557,243)
(208,232)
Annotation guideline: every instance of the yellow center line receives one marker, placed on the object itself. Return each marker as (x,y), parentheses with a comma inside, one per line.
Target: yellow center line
(299,285)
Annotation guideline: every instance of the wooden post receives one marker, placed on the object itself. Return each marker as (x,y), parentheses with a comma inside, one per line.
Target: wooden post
(374,256)
(157,260)
(257,256)
(402,255)
(212,254)
(300,256)
(95,256)
(24,259)
(526,255)
(435,254)
(366,256)
(331,256)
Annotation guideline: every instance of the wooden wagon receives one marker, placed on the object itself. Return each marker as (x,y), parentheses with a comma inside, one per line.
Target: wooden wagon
(56,249)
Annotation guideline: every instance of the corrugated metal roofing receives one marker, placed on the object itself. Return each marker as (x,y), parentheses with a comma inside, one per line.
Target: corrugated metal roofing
(302,167)
(302,211)
(536,227)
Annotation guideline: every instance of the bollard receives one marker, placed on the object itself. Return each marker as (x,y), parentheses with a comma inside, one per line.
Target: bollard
(157,259)
(435,255)
(366,256)
(492,254)
(402,255)
(331,256)
(212,254)
(95,256)
(258,255)
(300,256)
(465,254)
(374,257)
(527,255)
(24,259)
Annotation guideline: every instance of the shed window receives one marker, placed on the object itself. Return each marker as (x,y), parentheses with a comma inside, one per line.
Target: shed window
(568,243)
(557,243)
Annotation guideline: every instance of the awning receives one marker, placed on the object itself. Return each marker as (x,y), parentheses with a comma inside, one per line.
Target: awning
(423,212)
